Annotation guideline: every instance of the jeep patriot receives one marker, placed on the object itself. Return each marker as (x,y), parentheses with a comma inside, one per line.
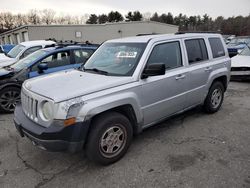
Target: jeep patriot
(126,86)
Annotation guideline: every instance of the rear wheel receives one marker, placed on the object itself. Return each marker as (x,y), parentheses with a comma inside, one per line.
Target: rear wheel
(109,138)
(9,97)
(214,98)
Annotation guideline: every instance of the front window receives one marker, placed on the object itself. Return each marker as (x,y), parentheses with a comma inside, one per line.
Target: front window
(25,62)
(118,59)
(246,51)
(55,60)
(13,53)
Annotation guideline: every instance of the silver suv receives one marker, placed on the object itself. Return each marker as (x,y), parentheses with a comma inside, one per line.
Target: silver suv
(126,86)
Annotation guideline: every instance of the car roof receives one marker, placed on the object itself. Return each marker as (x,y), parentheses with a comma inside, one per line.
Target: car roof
(37,42)
(58,48)
(147,38)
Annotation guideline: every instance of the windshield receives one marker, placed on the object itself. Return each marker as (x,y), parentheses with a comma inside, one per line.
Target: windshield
(240,40)
(246,51)
(13,53)
(25,62)
(118,59)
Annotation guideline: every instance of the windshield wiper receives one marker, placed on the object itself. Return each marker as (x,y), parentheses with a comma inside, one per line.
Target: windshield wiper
(97,70)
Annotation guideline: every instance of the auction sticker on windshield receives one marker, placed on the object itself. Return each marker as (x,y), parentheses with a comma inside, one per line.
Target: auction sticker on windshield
(124,54)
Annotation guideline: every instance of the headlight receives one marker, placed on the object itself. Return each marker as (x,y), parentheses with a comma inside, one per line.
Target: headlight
(239,51)
(47,111)
(74,110)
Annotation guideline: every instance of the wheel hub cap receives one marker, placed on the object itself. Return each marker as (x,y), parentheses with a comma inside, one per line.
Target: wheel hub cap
(112,141)
(216,98)
(9,99)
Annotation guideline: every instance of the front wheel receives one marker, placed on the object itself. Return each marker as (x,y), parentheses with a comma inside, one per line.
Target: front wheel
(9,97)
(109,138)
(214,98)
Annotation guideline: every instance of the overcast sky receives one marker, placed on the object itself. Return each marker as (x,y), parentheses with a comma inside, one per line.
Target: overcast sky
(214,8)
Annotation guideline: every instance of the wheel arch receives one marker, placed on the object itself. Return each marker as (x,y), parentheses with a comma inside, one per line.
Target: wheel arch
(11,85)
(127,110)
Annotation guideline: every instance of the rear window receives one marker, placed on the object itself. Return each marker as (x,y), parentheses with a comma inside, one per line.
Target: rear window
(196,50)
(217,47)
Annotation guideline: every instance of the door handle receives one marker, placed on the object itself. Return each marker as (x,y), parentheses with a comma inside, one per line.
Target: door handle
(180,76)
(208,69)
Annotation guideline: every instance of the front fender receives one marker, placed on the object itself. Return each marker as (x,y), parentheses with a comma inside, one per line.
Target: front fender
(102,104)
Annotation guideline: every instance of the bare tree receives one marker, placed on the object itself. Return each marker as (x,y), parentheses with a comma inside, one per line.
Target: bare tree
(8,20)
(48,16)
(34,17)
(146,16)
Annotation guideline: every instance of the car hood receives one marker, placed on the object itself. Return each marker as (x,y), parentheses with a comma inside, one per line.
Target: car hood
(240,61)
(5,73)
(3,57)
(8,62)
(69,84)
(236,46)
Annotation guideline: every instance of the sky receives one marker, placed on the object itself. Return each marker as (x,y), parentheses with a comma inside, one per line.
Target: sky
(213,8)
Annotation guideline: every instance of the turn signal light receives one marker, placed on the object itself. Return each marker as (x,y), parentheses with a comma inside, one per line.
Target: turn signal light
(70,121)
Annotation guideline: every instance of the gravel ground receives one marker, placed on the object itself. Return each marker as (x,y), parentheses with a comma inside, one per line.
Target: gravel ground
(191,150)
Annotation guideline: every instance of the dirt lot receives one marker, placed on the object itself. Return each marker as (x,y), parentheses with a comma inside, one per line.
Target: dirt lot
(191,150)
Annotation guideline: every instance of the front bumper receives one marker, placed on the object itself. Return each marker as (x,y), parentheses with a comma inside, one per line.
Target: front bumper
(240,75)
(52,138)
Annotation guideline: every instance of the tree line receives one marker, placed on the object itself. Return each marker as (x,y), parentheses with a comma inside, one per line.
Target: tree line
(236,25)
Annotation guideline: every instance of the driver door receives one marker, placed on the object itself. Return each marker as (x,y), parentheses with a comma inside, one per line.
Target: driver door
(166,94)
(56,62)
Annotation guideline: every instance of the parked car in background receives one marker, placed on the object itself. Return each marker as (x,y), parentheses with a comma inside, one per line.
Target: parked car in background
(241,65)
(126,86)
(236,45)
(41,62)
(6,48)
(22,50)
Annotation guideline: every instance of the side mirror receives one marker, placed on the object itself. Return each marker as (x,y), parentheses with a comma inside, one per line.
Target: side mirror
(154,70)
(42,67)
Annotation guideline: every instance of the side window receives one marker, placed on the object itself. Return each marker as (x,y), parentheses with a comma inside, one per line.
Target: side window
(167,53)
(55,60)
(196,50)
(82,55)
(30,51)
(217,47)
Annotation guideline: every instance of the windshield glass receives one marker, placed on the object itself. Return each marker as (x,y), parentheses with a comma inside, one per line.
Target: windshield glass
(246,51)
(13,53)
(240,40)
(25,62)
(118,59)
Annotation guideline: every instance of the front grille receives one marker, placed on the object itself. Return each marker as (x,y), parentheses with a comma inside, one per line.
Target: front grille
(240,69)
(30,106)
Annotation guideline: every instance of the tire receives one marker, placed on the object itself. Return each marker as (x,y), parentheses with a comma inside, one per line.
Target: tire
(214,98)
(109,138)
(9,97)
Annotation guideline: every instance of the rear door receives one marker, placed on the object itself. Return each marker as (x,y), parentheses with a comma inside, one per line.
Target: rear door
(164,95)
(199,69)
(204,55)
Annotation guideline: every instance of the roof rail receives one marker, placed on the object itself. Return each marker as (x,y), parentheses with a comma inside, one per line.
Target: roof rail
(61,43)
(186,32)
(145,34)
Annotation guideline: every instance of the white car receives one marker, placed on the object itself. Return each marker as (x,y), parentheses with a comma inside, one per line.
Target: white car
(240,68)
(22,50)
